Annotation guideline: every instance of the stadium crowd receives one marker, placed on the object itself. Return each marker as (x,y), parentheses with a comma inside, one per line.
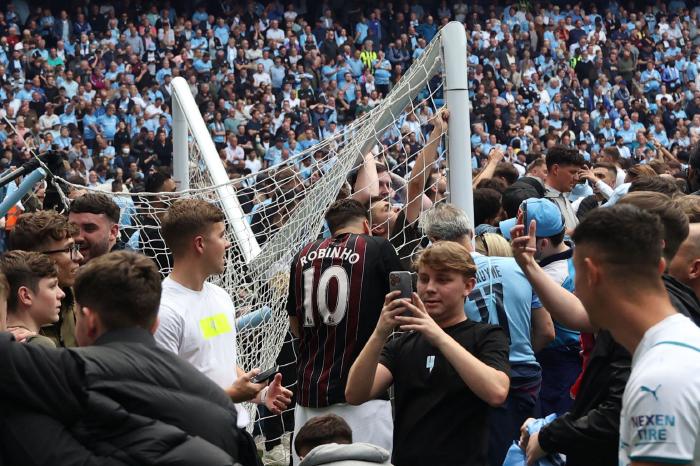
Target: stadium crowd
(559,326)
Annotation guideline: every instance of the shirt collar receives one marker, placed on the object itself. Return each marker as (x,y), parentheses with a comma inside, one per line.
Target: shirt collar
(552,191)
(564,255)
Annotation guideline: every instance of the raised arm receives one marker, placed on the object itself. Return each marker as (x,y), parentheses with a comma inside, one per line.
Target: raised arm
(563,305)
(604,189)
(666,155)
(367,182)
(423,165)
(494,157)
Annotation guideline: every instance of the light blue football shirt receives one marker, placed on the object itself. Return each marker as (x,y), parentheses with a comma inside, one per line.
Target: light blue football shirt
(503,296)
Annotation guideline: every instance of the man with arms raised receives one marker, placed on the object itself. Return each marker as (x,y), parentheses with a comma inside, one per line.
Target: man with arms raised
(96,216)
(336,290)
(197,318)
(446,369)
(426,186)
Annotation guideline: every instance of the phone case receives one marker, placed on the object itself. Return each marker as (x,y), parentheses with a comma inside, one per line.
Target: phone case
(401,281)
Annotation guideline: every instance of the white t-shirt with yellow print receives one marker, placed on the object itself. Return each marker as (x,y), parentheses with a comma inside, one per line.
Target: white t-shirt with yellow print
(200,327)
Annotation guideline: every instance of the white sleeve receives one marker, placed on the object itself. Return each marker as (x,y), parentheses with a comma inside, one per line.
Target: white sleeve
(662,416)
(170,329)
(605,190)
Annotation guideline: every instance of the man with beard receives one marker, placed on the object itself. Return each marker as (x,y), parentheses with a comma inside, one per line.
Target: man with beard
(96,217)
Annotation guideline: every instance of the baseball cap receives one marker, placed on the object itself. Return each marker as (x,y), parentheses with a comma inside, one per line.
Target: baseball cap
(543,211)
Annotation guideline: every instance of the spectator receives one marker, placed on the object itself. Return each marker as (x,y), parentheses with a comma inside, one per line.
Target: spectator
(328,440)
(50,233)
(502,296)
(476,352)
(96,216)
(676,228)
(684,266)
(563,166)
(561,359)
(664,335)
(602,179)
(195,233)
(34,299)
(349,228)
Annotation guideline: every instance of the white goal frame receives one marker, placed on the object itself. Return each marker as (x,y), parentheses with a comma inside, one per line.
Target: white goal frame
(187,119)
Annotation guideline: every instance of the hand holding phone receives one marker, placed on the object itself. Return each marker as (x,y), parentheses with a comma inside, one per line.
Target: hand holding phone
(403,282)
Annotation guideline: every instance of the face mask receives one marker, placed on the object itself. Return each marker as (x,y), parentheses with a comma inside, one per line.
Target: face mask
(125,150)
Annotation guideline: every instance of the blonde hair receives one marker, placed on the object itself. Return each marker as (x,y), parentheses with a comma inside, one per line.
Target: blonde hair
(493,244)
(447,256)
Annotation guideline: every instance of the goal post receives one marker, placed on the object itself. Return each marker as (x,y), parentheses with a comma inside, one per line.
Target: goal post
(189,124)
(454,44)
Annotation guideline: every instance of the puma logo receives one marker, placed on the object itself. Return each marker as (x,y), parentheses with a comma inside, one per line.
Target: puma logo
(645,389)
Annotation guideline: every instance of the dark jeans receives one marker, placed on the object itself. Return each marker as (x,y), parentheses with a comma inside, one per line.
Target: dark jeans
(505,421)
(560,368)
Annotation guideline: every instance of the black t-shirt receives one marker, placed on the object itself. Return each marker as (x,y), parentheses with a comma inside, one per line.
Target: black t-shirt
(407,239)
(439,420)
(347,277)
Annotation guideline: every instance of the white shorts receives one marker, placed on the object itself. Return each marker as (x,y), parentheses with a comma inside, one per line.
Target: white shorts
(371,422)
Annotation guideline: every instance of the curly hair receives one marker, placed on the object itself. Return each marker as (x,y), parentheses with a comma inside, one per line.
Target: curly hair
(34,230)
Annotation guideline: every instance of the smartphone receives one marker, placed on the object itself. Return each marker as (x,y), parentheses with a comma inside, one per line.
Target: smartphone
(264,376)
(401,281)
(523,208)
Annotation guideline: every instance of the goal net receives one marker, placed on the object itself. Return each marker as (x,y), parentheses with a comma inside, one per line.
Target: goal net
(273,213)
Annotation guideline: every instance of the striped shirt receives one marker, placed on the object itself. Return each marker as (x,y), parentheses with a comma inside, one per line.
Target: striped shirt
(336,291)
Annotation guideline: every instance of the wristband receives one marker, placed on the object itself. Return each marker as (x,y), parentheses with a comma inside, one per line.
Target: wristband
(263,394)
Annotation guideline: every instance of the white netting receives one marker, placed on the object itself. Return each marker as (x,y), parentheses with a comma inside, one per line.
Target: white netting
(285,204)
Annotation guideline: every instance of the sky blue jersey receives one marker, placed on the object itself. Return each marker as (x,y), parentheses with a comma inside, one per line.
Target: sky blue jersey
(503,296)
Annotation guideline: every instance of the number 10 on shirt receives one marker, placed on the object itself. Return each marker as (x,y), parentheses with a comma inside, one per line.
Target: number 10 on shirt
(326,295)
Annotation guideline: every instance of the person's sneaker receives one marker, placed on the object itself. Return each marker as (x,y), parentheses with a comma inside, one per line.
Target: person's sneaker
(278,456)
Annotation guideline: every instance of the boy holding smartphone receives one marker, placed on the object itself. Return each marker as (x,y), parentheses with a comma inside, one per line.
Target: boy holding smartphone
(446,370)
